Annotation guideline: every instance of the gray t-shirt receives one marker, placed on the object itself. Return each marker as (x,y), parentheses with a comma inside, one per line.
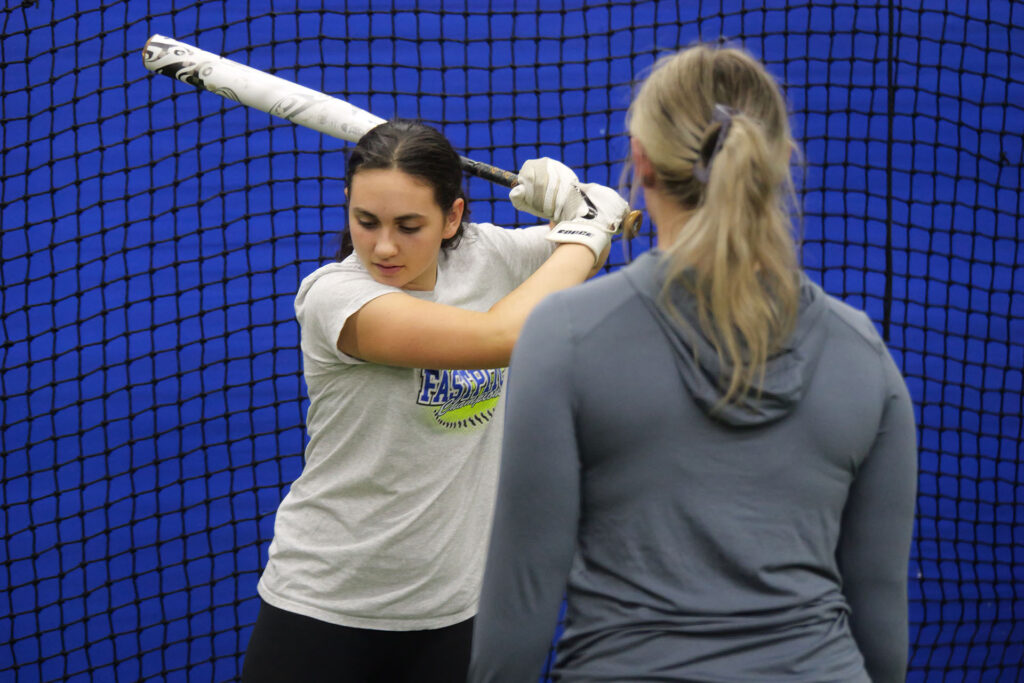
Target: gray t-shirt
(762,543)
(387,525)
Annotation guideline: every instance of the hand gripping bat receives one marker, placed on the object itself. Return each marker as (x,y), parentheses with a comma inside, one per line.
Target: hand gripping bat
(287,100)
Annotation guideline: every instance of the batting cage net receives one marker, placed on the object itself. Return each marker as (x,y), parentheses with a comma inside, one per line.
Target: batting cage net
(154,236)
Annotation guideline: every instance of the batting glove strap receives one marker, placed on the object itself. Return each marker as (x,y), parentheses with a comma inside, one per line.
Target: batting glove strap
(599,218)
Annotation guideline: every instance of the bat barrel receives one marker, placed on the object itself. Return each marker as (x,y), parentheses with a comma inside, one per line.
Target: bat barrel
(257,89)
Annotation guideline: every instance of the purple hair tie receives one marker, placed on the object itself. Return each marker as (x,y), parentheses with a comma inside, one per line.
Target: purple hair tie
(723,115)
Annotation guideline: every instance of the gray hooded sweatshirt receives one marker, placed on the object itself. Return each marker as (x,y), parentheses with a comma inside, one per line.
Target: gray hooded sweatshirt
(765,542)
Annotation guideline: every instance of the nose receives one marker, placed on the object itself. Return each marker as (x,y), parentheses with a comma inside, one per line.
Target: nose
(385,246)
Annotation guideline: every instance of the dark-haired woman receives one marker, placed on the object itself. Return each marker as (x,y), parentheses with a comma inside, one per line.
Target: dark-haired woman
(375,566)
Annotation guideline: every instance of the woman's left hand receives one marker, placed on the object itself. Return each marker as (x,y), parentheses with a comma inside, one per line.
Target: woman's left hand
(547,189)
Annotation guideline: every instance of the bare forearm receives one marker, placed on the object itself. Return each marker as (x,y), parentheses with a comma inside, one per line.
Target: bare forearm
(400,330)
(603,259)
(569,265)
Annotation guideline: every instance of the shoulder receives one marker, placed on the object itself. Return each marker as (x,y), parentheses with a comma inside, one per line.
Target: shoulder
(861,346)
(606,302)
(847,318)
(610,295)
(349,269)
(329,283)
(500,257)
(477,239)
(488,235)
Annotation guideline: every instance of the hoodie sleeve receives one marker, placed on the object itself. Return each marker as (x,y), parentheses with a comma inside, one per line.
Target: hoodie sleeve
(534,531)
(874,544)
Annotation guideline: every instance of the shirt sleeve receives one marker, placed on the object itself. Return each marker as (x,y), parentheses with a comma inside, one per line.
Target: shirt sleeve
(325,301)
(874,544)
(523,249)
(536,514)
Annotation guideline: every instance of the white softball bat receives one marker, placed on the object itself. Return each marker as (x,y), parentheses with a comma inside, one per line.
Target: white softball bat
(276,96)
(282,98)
(257,89)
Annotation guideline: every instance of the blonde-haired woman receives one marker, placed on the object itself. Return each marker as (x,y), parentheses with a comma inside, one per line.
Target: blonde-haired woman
(710,457)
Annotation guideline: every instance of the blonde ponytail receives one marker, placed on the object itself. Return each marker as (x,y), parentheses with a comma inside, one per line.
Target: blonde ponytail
(730,173)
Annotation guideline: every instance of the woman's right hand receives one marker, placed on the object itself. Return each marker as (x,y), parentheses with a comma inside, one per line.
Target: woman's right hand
(600,216)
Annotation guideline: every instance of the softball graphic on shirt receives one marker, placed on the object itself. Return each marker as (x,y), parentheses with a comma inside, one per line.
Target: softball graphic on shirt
(461,399)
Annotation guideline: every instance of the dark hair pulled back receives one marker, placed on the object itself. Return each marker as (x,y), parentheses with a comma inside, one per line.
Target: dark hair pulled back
(415,149)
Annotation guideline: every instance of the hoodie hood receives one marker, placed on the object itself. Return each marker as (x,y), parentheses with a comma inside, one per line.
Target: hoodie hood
(787,372)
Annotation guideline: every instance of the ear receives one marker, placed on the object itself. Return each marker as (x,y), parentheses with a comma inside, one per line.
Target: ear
(641,162)
(454,219)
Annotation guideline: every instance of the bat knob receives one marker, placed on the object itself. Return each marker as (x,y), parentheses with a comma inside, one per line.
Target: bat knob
(631,226)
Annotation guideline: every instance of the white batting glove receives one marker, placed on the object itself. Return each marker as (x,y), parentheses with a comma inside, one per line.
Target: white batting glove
(597,218)
(547,189)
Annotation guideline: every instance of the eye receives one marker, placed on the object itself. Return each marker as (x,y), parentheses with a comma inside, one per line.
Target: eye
(409,229)
(366,223)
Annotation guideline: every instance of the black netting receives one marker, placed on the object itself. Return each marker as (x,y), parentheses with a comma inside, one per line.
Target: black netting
(154,235)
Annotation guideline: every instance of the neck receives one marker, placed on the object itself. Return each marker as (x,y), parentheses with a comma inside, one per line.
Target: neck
(668,216)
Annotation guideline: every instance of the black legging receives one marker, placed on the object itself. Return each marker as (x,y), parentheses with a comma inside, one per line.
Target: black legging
(290,647)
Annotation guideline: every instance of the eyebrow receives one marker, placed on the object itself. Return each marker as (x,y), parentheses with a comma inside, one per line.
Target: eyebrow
(403,217)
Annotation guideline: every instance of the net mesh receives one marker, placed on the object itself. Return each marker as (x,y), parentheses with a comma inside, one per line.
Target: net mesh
(154,237)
